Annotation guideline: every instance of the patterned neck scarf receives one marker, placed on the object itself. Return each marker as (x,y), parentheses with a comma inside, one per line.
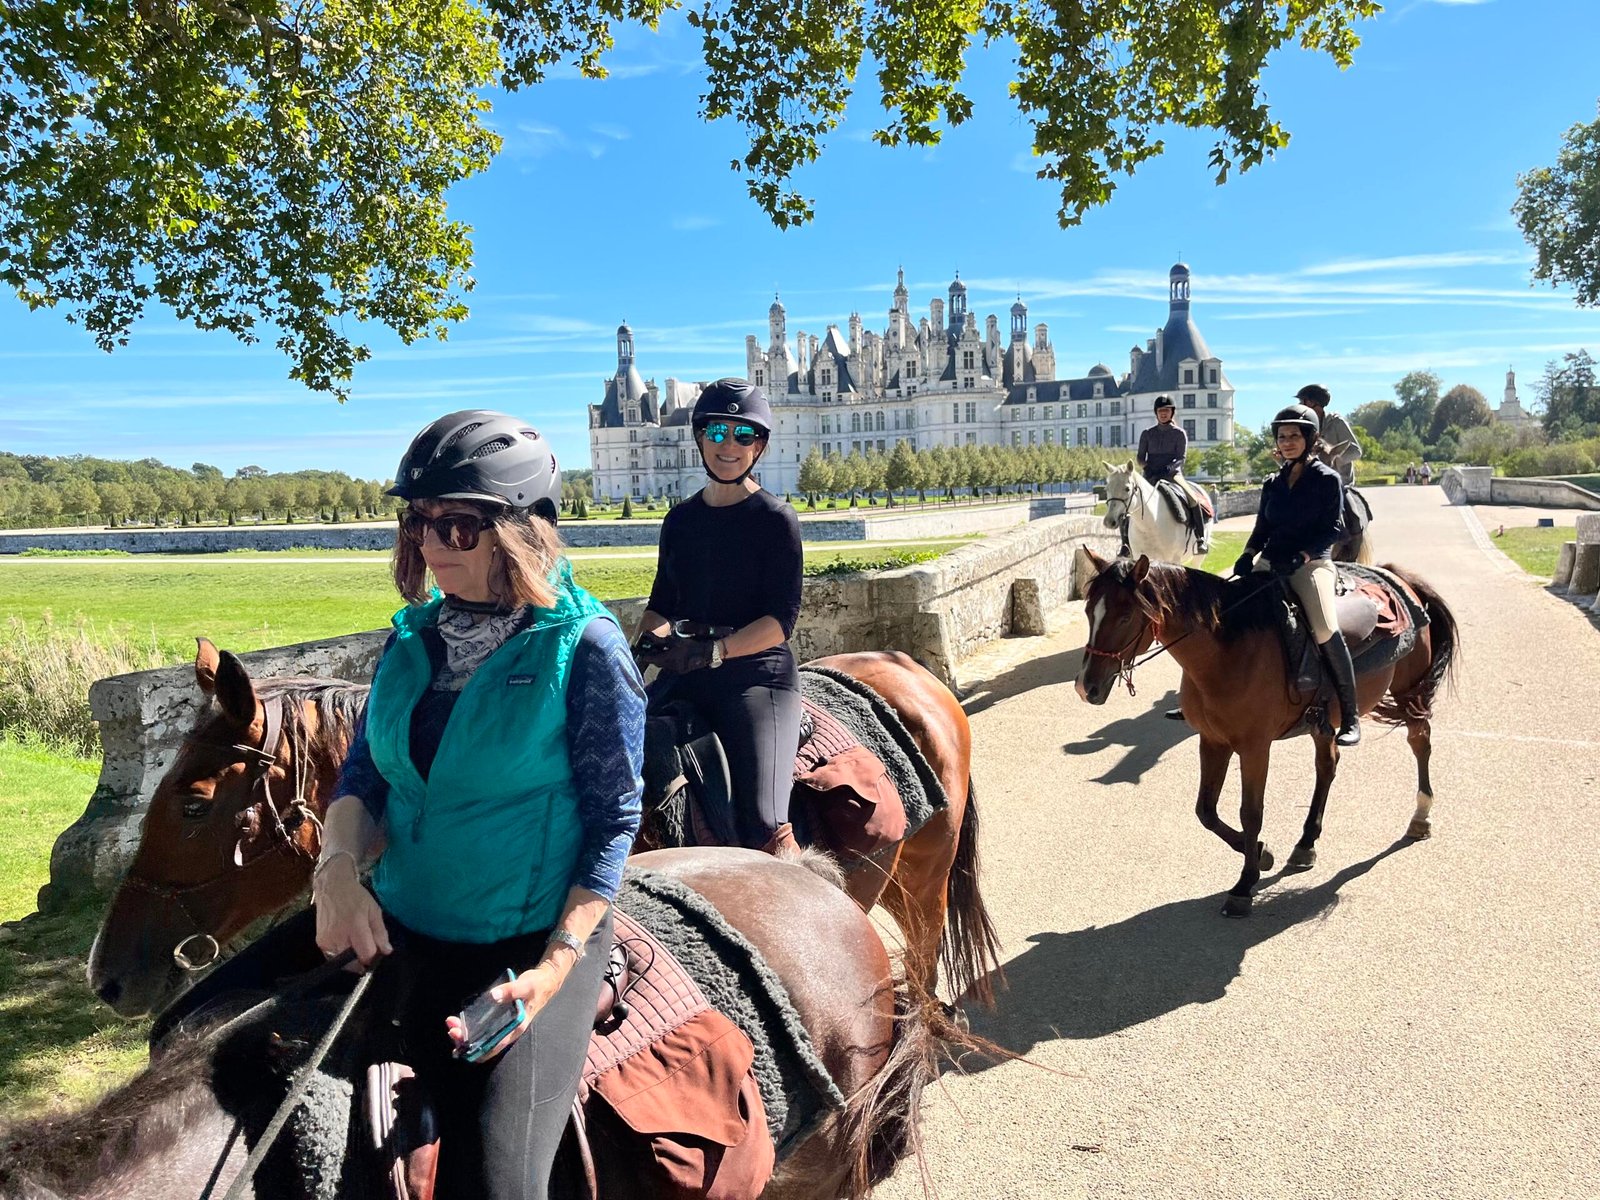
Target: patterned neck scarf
(469,639)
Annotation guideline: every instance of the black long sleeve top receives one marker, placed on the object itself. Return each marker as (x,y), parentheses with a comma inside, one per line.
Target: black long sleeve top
(731,566)
(1308,517)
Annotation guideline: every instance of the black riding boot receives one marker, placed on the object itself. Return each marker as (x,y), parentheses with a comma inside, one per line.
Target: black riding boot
(1197,526)
(1344,683)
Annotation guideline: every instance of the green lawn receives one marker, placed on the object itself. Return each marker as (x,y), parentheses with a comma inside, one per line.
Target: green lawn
(58,1044)
(1534,550)
(244,603)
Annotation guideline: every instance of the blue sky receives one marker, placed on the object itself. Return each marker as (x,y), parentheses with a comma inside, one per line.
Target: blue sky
(1380,241)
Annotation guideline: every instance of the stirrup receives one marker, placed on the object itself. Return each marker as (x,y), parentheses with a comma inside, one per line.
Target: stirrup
(1349,735)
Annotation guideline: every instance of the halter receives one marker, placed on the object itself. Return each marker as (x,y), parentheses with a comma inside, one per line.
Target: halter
(259,761)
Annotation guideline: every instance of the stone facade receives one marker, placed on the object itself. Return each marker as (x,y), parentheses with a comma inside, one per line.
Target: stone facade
(938,612)
(1511,411)
(937,380)
(1479,485)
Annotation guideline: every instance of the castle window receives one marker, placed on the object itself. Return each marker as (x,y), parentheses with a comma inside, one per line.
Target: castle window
(1033,437)
(1099,389)
(633,435)
(972,412)
(761,378)
(880,445)
(827,377)
(1211,399)
(880,422)
(1097,407)
(967,362)
(1016,437)
(1116,435)
(1213,376)
(1033,414)
(855,422)
(1083,436)
(955,413)
(1083,411)
(967,383)
(827,423)
(1211,429)
(1047,412)
(1188,399)
(1049,437)
(1188,374)
(1032,395)
(1188,428)
(1116,408)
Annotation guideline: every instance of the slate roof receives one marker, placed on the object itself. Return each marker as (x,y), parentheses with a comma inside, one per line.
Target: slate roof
(1181,340)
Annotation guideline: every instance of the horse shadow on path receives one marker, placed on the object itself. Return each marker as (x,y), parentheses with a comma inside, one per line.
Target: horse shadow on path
(1147,737)
(1094,982)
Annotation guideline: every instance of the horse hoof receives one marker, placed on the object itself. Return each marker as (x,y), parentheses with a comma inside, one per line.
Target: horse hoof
(1419,831)
(1236,906)
(1267,861)
(956,1016)
(1303,858)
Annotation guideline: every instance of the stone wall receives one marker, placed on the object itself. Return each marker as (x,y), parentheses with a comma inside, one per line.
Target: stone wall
(1478,485)
(878,524)
(938,612)
(1241,503)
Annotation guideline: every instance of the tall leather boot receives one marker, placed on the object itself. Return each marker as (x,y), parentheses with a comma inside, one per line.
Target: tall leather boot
(1197,522)
(1344,683)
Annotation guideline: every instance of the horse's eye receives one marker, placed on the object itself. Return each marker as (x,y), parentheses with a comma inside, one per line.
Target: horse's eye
(195,807)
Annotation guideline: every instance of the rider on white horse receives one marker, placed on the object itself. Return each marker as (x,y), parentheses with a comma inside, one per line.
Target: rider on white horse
(1162,449)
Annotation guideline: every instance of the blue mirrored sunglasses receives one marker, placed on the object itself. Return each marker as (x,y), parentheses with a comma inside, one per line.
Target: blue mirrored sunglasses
(718,432)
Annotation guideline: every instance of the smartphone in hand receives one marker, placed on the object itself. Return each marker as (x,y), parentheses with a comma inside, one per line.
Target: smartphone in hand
(487,1022)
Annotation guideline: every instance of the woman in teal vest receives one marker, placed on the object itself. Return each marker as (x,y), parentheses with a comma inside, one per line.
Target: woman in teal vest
(496,782)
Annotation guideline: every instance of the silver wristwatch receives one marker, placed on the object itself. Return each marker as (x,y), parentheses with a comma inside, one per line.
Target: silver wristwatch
(563,937)
(716,653)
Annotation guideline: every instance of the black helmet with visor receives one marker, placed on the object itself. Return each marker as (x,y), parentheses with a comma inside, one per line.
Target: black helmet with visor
(482,456)
(733,409)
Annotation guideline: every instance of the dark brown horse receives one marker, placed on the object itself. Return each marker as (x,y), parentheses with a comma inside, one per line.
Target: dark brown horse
(231,833)
(231,838)
(929,882)
(1238,693)
(184,1126)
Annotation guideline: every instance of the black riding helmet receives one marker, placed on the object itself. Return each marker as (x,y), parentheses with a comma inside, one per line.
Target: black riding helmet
(737,401)
(485,456)
(1315,393)
(1165,402)
(1310,424)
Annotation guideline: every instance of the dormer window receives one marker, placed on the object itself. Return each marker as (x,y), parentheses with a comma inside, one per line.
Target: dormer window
(1099,389)
(1032,394)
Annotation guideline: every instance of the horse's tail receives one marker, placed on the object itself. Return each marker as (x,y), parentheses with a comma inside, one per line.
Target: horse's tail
(1361,549)
(883,1121)
(970,947)
(1444,637)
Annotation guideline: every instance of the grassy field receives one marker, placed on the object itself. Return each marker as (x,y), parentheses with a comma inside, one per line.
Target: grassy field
(1534,550)
(250,602)
(58,1044)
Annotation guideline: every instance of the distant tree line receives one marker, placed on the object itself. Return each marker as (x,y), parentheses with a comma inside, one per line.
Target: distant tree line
(37,490)
(1459,425)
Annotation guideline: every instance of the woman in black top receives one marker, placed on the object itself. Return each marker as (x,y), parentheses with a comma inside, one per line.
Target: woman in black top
(730,556)
(1302,515)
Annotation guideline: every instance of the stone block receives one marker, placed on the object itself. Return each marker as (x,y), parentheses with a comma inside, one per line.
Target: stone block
(1585,579)
(1027,609)
(1563,574)
(1589,527)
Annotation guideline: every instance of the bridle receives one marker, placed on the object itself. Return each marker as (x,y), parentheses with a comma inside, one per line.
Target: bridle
(258,761)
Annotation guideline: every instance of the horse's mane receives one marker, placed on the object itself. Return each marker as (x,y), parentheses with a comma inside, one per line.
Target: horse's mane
(74,1151)
(1229,608)
(338,703)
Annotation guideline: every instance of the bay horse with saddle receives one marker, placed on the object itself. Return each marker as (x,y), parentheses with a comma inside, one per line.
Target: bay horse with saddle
(743,1070)
(1252,676)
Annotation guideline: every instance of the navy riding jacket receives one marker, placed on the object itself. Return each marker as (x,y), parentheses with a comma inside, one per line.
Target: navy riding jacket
(1307,517)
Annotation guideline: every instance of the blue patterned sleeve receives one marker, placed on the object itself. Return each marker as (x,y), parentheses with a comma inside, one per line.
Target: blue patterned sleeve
(359,776)
(605,738)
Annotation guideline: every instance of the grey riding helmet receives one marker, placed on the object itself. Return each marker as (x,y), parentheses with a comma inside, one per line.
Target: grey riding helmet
(484,456)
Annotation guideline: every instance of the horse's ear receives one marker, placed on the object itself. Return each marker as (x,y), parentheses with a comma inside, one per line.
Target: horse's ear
(1110,470)
(1099,564)
(234,691)
(205,665)
(1141,568)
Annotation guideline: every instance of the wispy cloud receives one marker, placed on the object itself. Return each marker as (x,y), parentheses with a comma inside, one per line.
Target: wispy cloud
(1411,262)
(615,132)
(694,223)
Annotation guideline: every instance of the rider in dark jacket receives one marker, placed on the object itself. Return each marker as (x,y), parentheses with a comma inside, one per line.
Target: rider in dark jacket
(1162,449)
(730,559)
(1301,517)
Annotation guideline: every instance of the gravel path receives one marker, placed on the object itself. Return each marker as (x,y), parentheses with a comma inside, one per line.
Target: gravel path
(1401,1021)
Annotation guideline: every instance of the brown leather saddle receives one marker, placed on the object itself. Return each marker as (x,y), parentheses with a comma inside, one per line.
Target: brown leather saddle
(667,1094)
(1377,624)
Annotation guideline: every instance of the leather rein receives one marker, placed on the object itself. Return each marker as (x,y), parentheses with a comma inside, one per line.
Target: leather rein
(258,761)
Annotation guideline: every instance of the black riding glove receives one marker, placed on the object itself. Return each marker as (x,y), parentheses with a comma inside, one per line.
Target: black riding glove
(1287,564)
(648,650)
(682,655)
(1245,565)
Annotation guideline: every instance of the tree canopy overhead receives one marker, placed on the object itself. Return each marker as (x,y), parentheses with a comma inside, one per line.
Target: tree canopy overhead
(268,168)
